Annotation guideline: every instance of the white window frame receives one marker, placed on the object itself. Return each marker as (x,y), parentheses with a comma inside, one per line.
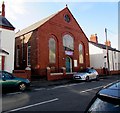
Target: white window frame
(68,41)
(28,57)
(17,57)
(81,54)
(52,61)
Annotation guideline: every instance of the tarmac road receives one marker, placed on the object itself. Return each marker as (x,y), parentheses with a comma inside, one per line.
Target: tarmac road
(74,96)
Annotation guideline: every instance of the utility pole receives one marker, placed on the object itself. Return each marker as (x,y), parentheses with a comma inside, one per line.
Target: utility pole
(107,52)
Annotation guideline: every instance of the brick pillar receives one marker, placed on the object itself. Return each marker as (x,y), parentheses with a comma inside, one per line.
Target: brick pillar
(64,70)
(48,73)
(28,72)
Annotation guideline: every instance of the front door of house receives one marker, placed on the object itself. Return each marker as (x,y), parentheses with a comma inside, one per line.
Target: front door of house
(68,64)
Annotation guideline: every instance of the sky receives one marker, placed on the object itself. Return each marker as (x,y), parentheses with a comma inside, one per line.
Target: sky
(92,16)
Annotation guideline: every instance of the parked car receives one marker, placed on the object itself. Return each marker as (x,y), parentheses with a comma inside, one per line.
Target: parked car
(10,82)
(106,100)
(87,74)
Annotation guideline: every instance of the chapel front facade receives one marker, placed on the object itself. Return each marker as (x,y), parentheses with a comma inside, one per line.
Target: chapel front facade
(56,42)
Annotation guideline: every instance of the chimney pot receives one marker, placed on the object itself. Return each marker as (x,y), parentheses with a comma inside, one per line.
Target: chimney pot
(3,9)
(108,43)
(94,38)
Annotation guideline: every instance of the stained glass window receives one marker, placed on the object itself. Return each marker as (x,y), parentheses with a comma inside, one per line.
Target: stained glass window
(52,50)
(81,54)
(68,42)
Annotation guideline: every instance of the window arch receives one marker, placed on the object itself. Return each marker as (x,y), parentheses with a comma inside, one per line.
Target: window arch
(68,42)
(81,57)
(52,50)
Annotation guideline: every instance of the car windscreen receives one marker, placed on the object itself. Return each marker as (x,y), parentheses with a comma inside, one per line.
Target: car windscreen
(7,75)
(85,70)
(102,105)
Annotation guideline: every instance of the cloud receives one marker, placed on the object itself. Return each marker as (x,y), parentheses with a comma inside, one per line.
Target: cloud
(14,8)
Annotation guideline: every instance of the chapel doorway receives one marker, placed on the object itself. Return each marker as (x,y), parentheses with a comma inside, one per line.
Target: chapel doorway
(68,64)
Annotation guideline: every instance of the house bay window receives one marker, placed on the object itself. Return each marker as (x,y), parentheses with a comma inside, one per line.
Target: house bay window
(52,50)
(81,57)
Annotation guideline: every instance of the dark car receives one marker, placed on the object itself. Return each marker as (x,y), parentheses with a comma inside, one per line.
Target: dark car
(106,100)
(10,82)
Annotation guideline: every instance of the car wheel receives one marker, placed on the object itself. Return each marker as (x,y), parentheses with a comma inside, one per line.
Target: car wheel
(22,87)
(87,79)
(97,78)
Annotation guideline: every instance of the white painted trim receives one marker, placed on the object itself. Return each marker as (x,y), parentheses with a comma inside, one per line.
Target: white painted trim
(27,55)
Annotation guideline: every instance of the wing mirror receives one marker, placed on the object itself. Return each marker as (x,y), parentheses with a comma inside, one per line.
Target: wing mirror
(3,78)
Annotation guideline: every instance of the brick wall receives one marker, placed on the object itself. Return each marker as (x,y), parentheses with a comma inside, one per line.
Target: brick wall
(58,76)
(23,74)
(105,72)
(56,27)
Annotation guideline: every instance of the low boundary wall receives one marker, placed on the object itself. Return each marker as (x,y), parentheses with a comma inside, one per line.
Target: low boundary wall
(58,76)
(105,72)
(23,74)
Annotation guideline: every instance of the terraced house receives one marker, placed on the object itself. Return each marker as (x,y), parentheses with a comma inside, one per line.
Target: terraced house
(98,56)
(7,42)
(56,42)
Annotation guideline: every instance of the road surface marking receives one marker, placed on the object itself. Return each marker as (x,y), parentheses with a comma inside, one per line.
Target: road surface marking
(25,107)
(38,89)
(56,87)
(97,87)
(62,86)
(91,89)
(14,93)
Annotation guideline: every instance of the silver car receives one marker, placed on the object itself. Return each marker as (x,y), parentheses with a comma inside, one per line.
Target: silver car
(88,74)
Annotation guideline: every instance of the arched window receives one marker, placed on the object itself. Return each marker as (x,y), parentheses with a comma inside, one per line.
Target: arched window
(28,54)
(68,42)
(81,59)
(52,50)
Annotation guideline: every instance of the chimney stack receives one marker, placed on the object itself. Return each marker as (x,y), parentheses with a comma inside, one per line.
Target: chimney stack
(94,38)
(3,9)
(108,43)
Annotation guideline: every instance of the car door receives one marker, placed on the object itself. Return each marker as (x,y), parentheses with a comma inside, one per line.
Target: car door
(8,81)
(91,74)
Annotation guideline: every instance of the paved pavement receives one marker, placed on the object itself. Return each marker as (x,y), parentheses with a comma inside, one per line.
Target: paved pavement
(45,83)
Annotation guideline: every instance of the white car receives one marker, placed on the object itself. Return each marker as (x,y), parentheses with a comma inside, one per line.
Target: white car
(88,74)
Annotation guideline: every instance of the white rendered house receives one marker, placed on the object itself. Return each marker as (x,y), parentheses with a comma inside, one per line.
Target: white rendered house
(98,55)
(7,41)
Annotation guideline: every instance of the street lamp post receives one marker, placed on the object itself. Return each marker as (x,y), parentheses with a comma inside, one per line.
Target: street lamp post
(107,51)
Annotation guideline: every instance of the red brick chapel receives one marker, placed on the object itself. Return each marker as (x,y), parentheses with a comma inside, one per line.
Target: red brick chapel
(56,42)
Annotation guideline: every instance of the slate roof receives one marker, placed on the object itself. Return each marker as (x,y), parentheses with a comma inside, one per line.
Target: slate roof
(103,46)
(40,23)
(34,26)
(5,23)
(3,51)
